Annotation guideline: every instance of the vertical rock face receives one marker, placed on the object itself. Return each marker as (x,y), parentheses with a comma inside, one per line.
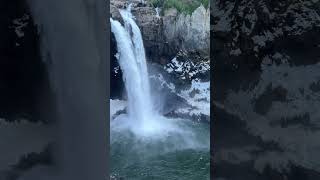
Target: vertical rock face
(151,29)
(190,32)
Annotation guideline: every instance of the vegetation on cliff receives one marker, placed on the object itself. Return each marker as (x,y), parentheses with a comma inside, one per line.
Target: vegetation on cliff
(183,6)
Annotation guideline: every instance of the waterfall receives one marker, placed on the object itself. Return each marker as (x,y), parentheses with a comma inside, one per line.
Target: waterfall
(139,51)
(158,12)
(132,60)
(142,136)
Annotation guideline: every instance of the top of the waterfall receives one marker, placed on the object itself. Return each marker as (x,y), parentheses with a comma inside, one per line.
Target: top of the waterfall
(130,5)
(122,4)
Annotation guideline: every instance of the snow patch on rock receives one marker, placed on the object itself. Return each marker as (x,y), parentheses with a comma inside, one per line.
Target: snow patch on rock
(187,69)
(198,96)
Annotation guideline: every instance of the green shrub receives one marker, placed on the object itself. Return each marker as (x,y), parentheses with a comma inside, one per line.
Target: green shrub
(183,6)
(205,3)
(157,3)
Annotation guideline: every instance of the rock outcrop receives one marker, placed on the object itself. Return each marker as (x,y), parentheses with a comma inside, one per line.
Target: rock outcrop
(188,32)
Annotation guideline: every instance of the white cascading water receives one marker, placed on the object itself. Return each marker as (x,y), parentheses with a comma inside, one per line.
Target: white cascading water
(132,60)
(139,51)
(158,12)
